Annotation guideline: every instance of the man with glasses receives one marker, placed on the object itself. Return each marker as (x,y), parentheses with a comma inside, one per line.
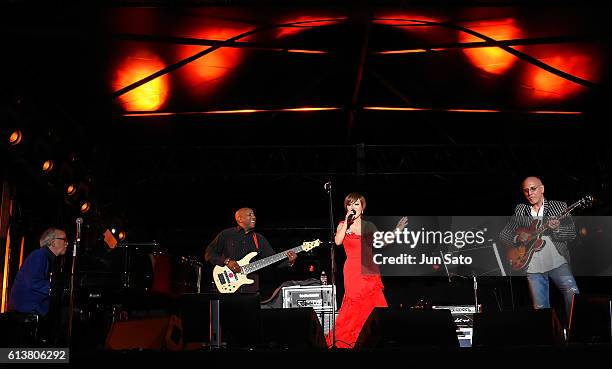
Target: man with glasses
(31,289)
(552,260)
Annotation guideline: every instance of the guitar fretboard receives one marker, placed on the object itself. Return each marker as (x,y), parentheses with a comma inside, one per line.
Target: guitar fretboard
(259,264)
(542,228)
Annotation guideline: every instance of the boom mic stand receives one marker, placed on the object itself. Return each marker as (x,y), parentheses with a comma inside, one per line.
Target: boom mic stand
(77,243)
(328,188)
(475,283)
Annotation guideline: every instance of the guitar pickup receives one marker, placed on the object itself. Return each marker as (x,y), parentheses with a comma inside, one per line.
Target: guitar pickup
(222,278)
(228,278)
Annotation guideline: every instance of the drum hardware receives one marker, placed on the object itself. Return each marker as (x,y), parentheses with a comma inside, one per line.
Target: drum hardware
(151,269)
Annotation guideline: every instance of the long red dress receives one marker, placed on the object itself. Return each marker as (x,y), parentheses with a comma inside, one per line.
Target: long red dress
(362,293)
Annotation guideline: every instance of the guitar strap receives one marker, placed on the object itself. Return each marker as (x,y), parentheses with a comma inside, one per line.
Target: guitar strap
(255,239)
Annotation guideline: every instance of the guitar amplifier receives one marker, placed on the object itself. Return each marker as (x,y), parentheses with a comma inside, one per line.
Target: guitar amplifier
(325,318)
(463,315)
(316,297)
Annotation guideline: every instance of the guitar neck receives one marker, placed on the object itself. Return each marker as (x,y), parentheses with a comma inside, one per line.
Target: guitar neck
(259,264)
(562,216)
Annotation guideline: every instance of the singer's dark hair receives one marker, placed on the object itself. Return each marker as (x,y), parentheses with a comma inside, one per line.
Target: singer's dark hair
(352,197)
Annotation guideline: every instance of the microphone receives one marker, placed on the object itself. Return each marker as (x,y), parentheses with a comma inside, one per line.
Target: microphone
(79,221)
(351,215)
(327,186)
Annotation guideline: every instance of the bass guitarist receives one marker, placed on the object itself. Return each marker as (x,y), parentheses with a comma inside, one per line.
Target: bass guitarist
(234,243)
(551,257)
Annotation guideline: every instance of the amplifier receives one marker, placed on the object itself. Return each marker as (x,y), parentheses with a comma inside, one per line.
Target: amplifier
(463,315)
(316,297)
(325,318)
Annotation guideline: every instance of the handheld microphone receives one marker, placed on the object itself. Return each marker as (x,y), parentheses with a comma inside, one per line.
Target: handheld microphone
(351,215)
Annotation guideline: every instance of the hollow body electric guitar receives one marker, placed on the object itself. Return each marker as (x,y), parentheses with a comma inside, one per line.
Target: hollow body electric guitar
(229,282)
(520,254)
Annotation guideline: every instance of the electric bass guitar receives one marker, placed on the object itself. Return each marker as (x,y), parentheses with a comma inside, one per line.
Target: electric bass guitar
(520,254)
(229,282)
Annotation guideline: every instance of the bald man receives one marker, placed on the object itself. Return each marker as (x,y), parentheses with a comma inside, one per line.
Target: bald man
(234,243)
(552,261)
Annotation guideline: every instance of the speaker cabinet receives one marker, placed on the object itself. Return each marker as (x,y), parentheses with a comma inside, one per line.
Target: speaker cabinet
(591,319)
(518,328)
(297,329)
(397,328)
(159,333)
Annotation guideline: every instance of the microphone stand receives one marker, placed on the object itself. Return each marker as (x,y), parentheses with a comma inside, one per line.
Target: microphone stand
(77,243)
(475,283)
(328,188)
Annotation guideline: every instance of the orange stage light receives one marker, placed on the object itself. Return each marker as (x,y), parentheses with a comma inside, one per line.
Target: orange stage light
(540,85)
(235,111)
(48,166)
(136,66)
(415,24)
(493,60)
(409,51)
(305,23)
(306,51)
(204,72)
(71,189)
(406,20)
(85,207)
(390,108)
(15,137)
(121,236)
(21,252)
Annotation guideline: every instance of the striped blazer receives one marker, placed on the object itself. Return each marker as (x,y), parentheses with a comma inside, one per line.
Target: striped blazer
(560,237)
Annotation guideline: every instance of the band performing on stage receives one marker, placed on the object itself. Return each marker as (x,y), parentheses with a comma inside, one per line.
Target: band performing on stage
(535,241)
(197,179)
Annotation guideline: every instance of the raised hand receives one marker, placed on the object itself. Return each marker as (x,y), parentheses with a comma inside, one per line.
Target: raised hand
(401,224)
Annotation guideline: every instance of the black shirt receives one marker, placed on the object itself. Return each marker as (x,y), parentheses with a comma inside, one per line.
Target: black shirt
(235,243)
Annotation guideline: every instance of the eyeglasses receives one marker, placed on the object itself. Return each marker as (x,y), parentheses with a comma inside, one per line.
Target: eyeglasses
(531,189)
(63,239)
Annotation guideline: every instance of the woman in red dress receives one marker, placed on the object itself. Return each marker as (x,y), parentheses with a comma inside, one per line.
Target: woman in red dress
(362,291)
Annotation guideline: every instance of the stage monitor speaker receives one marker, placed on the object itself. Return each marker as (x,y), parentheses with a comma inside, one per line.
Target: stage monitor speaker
(591,319)
(239,315)
(517,328)
(401,328)
(297,329)
(20,330)
(158,333)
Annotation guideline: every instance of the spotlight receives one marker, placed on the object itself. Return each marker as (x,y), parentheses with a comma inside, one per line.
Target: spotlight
(15,137)
(48,166)
(71,189)
(113,230)
(121,235)
(85,206)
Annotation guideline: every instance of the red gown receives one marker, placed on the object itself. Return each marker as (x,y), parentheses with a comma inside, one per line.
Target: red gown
(362,293)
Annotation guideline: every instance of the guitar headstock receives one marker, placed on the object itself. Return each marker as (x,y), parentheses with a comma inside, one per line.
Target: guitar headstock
(586,201)
(307,246)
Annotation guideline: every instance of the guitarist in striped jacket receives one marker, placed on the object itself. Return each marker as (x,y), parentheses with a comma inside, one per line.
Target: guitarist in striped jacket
(551,260)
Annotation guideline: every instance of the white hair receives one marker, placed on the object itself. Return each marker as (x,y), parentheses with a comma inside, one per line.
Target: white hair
(48,235)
